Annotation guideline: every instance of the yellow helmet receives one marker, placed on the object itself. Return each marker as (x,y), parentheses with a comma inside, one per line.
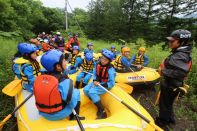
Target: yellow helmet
(125,49)
(142,49)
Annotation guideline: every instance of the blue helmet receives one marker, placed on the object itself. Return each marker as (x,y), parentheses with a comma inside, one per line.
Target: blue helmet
(76,48)
(113,47)
(108,54)
(50,58)
(89,56)
(89,44)
(104,49)
(26,48)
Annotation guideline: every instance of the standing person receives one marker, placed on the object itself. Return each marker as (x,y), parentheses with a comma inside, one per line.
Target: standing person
(140,59)
(89,48)
(59,41)
(54,93)
(104,74)
(26,67)
(86,68)
(174,69)
(76,60)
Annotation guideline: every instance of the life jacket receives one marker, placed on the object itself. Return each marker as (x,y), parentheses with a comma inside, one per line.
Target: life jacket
(102,72)
(118,64)
(47,95)
(46,47)
(25,63)
(139,60)
(73,60)
(87,66)
(74,42)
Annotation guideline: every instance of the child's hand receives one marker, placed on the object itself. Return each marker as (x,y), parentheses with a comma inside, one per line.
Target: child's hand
(96,83)
(81,69)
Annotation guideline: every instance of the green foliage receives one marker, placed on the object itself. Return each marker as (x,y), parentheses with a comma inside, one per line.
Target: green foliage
(29,16)
(151,20)
(8,49)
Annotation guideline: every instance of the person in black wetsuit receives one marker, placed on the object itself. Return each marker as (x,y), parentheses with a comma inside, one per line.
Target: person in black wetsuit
(174,69)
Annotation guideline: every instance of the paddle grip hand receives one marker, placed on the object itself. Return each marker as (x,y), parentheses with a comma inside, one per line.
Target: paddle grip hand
(96,83)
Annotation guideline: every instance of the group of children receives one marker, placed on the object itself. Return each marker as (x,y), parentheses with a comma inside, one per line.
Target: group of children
(58,101)
(27,68)
(60,98)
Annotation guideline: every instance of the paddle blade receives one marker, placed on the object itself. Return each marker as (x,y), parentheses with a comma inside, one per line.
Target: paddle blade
(127,88)
(12,88)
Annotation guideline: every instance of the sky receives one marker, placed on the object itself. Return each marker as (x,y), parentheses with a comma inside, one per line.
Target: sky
(61,3)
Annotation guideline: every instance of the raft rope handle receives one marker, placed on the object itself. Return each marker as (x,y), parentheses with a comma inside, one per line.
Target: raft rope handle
(94,126)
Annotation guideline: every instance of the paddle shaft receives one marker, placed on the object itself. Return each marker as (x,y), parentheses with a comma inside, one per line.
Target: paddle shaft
(87,72)
(78,120)
(133,110)
(10,115)
(22,103)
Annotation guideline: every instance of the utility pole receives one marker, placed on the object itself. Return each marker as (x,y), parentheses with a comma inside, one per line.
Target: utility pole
(66,13)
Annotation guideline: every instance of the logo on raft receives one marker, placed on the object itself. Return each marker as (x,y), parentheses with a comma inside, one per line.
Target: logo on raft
(133,78)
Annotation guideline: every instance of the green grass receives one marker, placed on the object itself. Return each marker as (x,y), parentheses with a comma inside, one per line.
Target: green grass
(7,50)
(185,109)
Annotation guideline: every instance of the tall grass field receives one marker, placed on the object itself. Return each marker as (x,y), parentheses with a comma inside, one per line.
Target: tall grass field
(187,108)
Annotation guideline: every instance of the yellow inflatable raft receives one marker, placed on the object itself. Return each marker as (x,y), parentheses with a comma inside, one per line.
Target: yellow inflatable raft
(119,117)
(146,76)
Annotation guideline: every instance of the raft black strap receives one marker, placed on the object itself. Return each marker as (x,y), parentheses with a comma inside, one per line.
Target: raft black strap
(70,91)
(50,107)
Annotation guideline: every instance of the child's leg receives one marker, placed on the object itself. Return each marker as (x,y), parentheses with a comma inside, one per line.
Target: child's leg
(72,71)
(86,79)
(72,117)
(87,88)
(78,79)
(94,94)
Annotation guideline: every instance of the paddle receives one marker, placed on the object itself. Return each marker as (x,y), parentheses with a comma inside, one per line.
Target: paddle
(127,88)
(10,115)
(78,120)
(133,110)
(12,88)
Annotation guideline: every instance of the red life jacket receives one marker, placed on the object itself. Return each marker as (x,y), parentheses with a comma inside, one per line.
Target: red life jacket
(47,95)
(102,73)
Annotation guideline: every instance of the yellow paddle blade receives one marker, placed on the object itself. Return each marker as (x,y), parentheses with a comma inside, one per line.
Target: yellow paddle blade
(12,88)
(127,88)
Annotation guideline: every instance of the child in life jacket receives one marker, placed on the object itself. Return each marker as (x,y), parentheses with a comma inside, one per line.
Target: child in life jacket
(114,51)
(54,92)
(122,62)
(76,60)
(140,59)
(86,70)
(89,48)
(104,74)
(25,65)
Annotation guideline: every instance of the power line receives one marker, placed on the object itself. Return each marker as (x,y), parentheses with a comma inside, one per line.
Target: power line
(75,17)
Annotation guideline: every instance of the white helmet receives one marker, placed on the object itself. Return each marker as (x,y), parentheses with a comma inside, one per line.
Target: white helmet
(46,41)
(58,33)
